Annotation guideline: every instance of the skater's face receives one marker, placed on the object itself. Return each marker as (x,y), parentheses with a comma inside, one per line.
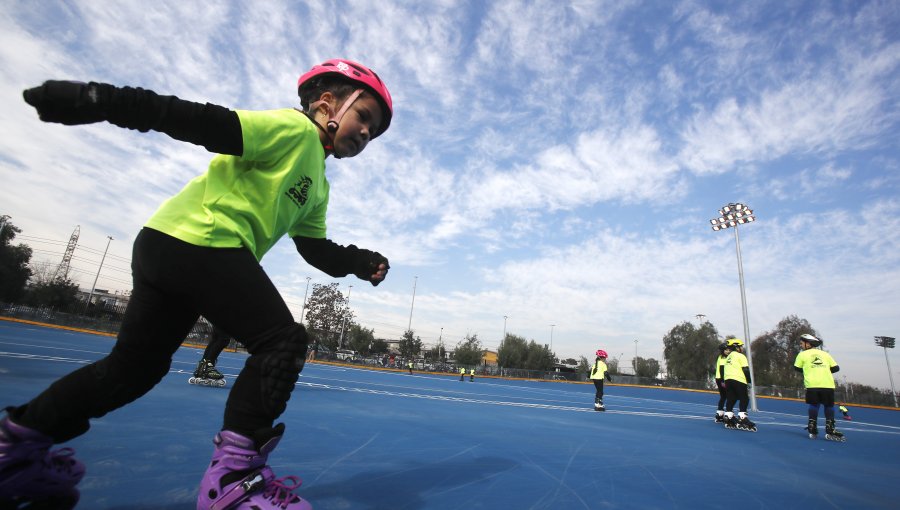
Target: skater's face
(361,121)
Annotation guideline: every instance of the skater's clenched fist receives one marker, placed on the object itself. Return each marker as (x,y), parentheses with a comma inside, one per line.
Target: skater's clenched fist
(70,102)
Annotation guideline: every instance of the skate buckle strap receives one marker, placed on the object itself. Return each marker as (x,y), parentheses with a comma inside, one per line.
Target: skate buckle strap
(281,493)
(241,491)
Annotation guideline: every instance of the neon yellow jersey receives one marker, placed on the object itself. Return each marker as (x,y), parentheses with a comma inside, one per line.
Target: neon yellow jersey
(719,364)
(599,370)
(277,187)
(816,365)
(734,367)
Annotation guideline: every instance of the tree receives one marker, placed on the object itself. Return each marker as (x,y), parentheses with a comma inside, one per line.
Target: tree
(690,352)
(325,311)
(360,339)
(410,345)
(512,352)
(379,346)
(539,357)
(774,352)
(51,290)
(516,352)
(14,270)
(646,367)
(469,351)
(438,352)
(584,366)
(613,365)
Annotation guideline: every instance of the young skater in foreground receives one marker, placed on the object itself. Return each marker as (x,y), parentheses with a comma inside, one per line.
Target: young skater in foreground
(199,255)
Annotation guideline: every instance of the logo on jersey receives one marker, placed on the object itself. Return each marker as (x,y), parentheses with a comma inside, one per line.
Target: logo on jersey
(299,192)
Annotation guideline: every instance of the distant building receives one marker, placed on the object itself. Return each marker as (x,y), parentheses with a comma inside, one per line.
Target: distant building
(489,358)
(105,299)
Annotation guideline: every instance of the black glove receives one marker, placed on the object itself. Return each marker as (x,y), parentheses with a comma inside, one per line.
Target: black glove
(70,102)
(367,266)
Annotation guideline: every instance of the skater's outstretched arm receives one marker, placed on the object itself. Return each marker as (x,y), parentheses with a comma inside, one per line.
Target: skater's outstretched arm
(336,260)
(214,127)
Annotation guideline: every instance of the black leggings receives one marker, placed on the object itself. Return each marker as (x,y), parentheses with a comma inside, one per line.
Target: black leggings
(598,385)
(174,283)
(218,340)
(722,395)
(736,391)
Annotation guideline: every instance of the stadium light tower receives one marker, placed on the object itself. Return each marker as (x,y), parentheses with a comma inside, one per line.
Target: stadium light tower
(888,343)
(730,216)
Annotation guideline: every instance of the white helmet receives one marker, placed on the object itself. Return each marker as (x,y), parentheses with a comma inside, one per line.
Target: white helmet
(806,337)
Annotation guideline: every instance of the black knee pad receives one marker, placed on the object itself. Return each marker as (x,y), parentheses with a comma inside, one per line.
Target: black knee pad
(280,363)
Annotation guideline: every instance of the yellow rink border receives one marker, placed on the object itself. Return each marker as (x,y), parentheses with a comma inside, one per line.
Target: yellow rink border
(445,374)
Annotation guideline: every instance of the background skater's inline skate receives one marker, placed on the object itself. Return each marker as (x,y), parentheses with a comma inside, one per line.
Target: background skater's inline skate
(207,375)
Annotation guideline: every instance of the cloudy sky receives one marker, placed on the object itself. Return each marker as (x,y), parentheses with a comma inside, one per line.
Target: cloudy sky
(551,168)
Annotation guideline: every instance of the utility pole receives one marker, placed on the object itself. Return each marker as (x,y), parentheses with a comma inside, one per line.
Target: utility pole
(94,286)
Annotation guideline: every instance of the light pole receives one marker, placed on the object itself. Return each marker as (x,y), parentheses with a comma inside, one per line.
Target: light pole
(415,281)
(700,318)
(551,338)
(94,286)
(303,310)
(730,216)
(888,343)
(344,318)
(441,344)
(504,328)
(634,363)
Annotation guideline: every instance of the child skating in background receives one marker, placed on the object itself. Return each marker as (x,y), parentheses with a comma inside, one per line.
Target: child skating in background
(736,373)
(845,412)
(471,375)
(462,374)
(599,372)
(720,383)
(206,373)
(199,255)
(817,367)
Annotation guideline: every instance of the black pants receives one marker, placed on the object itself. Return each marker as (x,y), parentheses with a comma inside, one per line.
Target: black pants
(722,395)
(174,283)
(598,385)
(218,340)
(736,391)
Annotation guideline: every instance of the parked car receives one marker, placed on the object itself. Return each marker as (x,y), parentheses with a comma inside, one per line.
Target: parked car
(345,355)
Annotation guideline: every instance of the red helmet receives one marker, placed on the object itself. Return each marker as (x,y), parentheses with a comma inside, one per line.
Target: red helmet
(601,353)
(359,74)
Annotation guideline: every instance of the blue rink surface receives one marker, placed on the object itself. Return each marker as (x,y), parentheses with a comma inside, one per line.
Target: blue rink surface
(389,440)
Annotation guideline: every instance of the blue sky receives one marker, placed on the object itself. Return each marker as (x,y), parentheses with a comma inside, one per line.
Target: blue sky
(556,163)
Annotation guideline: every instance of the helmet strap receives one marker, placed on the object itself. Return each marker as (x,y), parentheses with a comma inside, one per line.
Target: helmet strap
(334,119)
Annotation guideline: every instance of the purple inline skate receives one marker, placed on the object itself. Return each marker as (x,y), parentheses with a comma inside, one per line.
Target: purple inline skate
(239,479)
(32,476)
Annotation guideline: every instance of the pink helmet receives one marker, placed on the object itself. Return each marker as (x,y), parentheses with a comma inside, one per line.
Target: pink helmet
(359,74)
(601,353)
